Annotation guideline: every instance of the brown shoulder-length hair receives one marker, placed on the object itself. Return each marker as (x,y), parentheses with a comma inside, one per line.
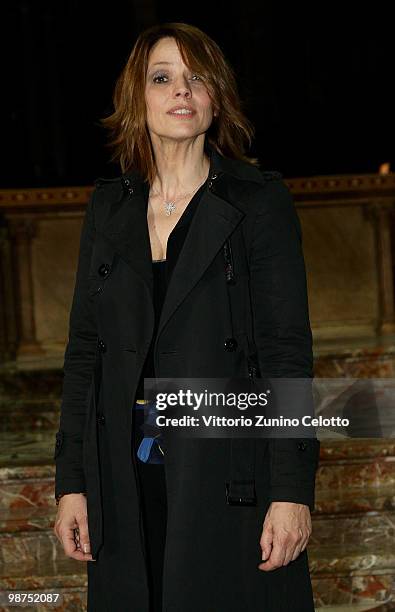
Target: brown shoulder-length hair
(230,133)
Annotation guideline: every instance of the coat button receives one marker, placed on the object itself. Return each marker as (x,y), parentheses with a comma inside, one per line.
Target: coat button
(212,178)
(252,371)
(127,185)
(230,344)
(102,346)
(102,419)
(104,269)
(302,446)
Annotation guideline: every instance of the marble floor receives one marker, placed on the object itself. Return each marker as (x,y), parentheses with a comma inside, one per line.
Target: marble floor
(351,550)
(352,608)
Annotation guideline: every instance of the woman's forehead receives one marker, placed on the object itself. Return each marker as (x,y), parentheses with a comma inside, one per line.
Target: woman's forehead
(165,51)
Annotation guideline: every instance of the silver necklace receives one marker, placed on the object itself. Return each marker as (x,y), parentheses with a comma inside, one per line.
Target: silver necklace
(171,206)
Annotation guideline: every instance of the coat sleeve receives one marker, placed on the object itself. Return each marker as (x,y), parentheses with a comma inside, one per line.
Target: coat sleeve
(282,331)
(78,366)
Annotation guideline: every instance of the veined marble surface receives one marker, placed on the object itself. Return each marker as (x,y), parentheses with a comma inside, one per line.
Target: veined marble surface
(351,551)
(350,608)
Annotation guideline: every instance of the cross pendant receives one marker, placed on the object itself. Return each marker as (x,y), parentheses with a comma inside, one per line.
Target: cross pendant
(169,207)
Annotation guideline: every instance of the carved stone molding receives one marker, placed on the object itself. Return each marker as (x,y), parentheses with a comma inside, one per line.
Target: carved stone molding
(322,188)
(33,200)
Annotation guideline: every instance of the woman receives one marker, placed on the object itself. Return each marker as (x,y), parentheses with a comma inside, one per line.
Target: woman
(230,520)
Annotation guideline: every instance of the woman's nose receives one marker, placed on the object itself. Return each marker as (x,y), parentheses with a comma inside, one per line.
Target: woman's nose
(182,88)
(183,94)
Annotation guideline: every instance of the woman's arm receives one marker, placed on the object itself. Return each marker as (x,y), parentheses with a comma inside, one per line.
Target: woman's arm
(78,368)
(282,331)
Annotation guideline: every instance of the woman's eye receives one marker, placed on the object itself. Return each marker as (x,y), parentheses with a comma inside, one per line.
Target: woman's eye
(163,78)
(159,76)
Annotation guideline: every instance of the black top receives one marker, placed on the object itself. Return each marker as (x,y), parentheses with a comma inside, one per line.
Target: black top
(162,270)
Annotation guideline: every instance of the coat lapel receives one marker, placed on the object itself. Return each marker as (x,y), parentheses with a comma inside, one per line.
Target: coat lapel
(214,220)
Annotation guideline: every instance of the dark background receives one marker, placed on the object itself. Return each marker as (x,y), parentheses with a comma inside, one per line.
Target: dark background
(316,80)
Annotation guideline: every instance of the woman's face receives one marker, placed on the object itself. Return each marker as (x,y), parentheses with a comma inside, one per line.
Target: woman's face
(178,103)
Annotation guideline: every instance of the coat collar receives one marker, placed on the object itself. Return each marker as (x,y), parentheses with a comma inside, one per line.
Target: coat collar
(214,220)
(219,164)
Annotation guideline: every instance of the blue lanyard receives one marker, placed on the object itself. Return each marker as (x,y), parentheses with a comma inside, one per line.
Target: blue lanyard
(150,449)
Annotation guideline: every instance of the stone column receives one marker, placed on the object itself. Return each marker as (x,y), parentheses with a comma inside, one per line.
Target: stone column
(381,212)
(22,232)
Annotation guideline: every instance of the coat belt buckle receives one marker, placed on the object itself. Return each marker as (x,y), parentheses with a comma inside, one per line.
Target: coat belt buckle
(241,493)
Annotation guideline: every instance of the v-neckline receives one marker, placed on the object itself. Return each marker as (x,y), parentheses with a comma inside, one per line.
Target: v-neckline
(181,219)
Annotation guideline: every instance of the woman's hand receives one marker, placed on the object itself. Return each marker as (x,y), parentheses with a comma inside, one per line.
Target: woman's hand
(71,527)
(286,531)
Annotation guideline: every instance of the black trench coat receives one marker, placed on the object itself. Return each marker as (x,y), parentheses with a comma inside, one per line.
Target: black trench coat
(212,547)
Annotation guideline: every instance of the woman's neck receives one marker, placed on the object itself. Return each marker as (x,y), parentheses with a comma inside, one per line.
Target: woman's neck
(181,167)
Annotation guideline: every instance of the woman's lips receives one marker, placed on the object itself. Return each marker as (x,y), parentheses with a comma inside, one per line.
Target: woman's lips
(182,113)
